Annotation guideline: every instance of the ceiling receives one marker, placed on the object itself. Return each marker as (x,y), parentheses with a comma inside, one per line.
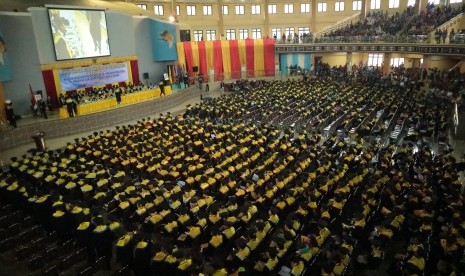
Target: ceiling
(23,5)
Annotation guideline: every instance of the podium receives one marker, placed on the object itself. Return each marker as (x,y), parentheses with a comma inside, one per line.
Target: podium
(39,140)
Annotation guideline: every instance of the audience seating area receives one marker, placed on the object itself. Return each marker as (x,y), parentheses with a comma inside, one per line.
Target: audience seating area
(297,177)
(399,27)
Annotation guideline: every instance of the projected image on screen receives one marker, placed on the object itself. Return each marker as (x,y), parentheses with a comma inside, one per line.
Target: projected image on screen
(79,33)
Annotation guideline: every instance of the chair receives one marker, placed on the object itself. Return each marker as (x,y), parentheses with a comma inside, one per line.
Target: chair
(51,271)
(27,222)
(88,271)
(125,271)
(36,262)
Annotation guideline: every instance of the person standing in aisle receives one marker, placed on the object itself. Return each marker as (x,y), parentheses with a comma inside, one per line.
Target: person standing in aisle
(10,113)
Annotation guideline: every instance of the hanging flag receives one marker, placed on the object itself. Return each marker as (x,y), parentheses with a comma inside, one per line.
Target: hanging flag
(229,58)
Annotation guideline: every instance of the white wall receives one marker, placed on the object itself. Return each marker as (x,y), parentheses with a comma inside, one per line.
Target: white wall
(30,45)
(141,29)
(18,32)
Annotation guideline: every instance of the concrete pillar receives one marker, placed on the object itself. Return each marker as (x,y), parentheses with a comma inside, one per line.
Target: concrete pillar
(313,10)
(420,5)
(365,9)
(426,61)
(221,30)
(266,20)
(386,66)
(349,62)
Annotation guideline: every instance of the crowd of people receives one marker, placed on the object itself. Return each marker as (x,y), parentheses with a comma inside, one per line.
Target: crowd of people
(427,21)
(98,94)
(225,190)
(406,26)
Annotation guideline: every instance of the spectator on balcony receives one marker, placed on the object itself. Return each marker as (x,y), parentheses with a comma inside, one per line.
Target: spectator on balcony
(451,36)
(444,36)
(437,36)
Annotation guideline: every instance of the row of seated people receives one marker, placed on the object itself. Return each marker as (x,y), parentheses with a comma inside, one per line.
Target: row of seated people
(191,195)
(399,25)
(427,21)
(107,92)
(376,23)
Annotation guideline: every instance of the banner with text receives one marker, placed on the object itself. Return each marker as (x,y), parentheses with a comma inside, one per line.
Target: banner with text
(82,77)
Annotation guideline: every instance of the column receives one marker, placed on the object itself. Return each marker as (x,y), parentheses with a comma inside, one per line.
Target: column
(221,30)
(349,62)
(426,61)
(266,24)
(386,66)
(462,65)
(313,64)
(364,10)
(313,10)
(416,63)
(420,5)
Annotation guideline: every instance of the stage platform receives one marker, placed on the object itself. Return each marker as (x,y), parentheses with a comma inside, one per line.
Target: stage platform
(55,127)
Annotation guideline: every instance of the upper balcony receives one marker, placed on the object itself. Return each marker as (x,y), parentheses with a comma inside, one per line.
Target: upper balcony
(419,44)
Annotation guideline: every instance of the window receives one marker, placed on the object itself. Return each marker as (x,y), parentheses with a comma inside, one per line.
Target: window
(276,32)
(142,6)
(305,7)
(256,33)
(240,9)
(243,33)
(357,5)
(393,4)
(303,30)
(230,34)
(210,34)
(198,35)
(255,9)
(396,62)
(272,9)
(375,4)
(436,2)
(339,6)
(289,31)
(158,9)
(178,10)
(190,10)
(288,8)
(322,7)
(224,9)
(375,59)
(207,10)
(455,1)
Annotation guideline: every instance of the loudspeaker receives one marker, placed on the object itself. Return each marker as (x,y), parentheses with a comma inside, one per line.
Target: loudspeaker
(146,76)
(195,69)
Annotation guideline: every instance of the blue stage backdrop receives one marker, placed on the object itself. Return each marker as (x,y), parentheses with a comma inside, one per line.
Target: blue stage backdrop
(5,69)
(163,37)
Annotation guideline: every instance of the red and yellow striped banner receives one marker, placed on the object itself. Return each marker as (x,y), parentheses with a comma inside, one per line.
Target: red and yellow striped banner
(227,57)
